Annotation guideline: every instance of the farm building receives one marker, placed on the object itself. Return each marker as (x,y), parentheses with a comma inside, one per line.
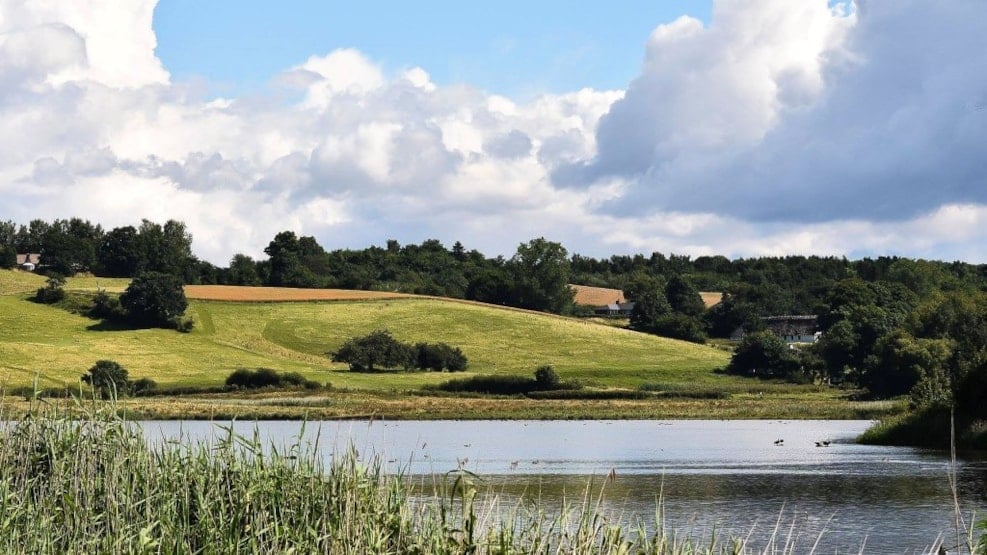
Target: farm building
(29,261)
(791,328)
(614,309)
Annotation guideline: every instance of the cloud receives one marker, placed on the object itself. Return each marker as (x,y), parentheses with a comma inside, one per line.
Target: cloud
(780,127)
(799,112)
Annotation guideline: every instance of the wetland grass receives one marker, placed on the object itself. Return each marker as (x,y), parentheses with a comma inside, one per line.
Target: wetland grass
(95,485)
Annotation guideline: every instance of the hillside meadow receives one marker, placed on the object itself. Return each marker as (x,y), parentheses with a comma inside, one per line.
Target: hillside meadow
(54,347)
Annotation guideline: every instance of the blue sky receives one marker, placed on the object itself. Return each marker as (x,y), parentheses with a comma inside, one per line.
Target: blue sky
(511,47)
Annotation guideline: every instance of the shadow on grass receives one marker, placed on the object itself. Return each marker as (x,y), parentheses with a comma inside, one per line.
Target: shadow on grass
(116,325)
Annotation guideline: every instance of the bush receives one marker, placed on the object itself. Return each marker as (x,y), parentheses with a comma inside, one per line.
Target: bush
(106,307)
(763,355)
(490,385)
(590,394)
(438,357)
(154,299)
(53,291)
(680,326)
(108,378)
(546,378)
(185,325)
(143,386)
(245,378)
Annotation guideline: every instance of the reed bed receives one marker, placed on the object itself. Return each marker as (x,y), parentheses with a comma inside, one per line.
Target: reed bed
(95,485)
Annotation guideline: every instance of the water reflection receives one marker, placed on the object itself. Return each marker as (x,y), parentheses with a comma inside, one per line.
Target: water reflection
(730,476)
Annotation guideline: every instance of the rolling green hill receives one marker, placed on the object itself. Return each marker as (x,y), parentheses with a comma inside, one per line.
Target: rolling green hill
(57,346)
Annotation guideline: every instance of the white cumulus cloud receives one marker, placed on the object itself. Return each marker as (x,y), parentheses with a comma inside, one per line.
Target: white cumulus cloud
(778,127)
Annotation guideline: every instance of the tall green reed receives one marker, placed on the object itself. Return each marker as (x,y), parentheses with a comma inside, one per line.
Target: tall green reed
(93,484)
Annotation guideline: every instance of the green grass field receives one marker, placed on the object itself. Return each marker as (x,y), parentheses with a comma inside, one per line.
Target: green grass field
(57,346)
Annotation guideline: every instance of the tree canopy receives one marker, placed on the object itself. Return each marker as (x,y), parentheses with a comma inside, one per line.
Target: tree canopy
(154,299)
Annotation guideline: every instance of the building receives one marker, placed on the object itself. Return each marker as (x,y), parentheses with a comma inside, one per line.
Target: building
(28,262)
(616,309)
(791,328)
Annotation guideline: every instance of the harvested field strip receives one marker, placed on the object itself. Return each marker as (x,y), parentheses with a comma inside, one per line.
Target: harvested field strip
(281,294)
(597,296)
(711,298)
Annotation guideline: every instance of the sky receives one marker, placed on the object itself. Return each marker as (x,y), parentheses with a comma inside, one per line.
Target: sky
(732,127)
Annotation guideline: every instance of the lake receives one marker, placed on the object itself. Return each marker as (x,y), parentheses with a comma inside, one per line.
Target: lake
(739,478)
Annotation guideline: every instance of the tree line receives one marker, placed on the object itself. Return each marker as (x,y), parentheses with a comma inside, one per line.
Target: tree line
(883,320)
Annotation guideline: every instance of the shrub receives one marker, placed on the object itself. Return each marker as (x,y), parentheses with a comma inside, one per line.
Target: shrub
(53,291)
(546,378)
(108,378)
(439,356)
(590,394)
(106,307)
(490,385)
(681,326)
(763,355)
(143,386)
(185,325)
(245,378)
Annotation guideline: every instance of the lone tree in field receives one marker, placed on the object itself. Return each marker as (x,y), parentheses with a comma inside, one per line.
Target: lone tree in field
(154,299)
(108,378)
(376,351)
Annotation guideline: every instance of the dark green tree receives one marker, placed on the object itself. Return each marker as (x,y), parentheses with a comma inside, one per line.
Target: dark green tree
(8,246)
(166,249)
(108,378)
(640,284)
(683,297)
(64,253)
(899,361)
(649,308)
(286,254)
(723,318)
(491,285)
(375,351)
(540,271)
(242,271)
(763,355)
(120,253)
(30,238)
(154,299)
(680,326)
(8,257)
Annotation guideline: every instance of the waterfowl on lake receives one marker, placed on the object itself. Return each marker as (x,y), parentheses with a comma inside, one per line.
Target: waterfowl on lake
(779,442)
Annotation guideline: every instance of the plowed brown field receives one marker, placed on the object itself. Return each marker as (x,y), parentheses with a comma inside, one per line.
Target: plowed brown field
(282,294)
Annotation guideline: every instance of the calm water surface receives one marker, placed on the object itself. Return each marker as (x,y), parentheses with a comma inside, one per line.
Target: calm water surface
(724,475)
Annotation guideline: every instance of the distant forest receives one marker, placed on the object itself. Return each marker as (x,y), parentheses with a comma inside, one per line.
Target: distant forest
(890,325)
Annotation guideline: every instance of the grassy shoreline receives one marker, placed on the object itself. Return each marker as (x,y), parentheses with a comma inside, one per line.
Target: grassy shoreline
(300,405)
